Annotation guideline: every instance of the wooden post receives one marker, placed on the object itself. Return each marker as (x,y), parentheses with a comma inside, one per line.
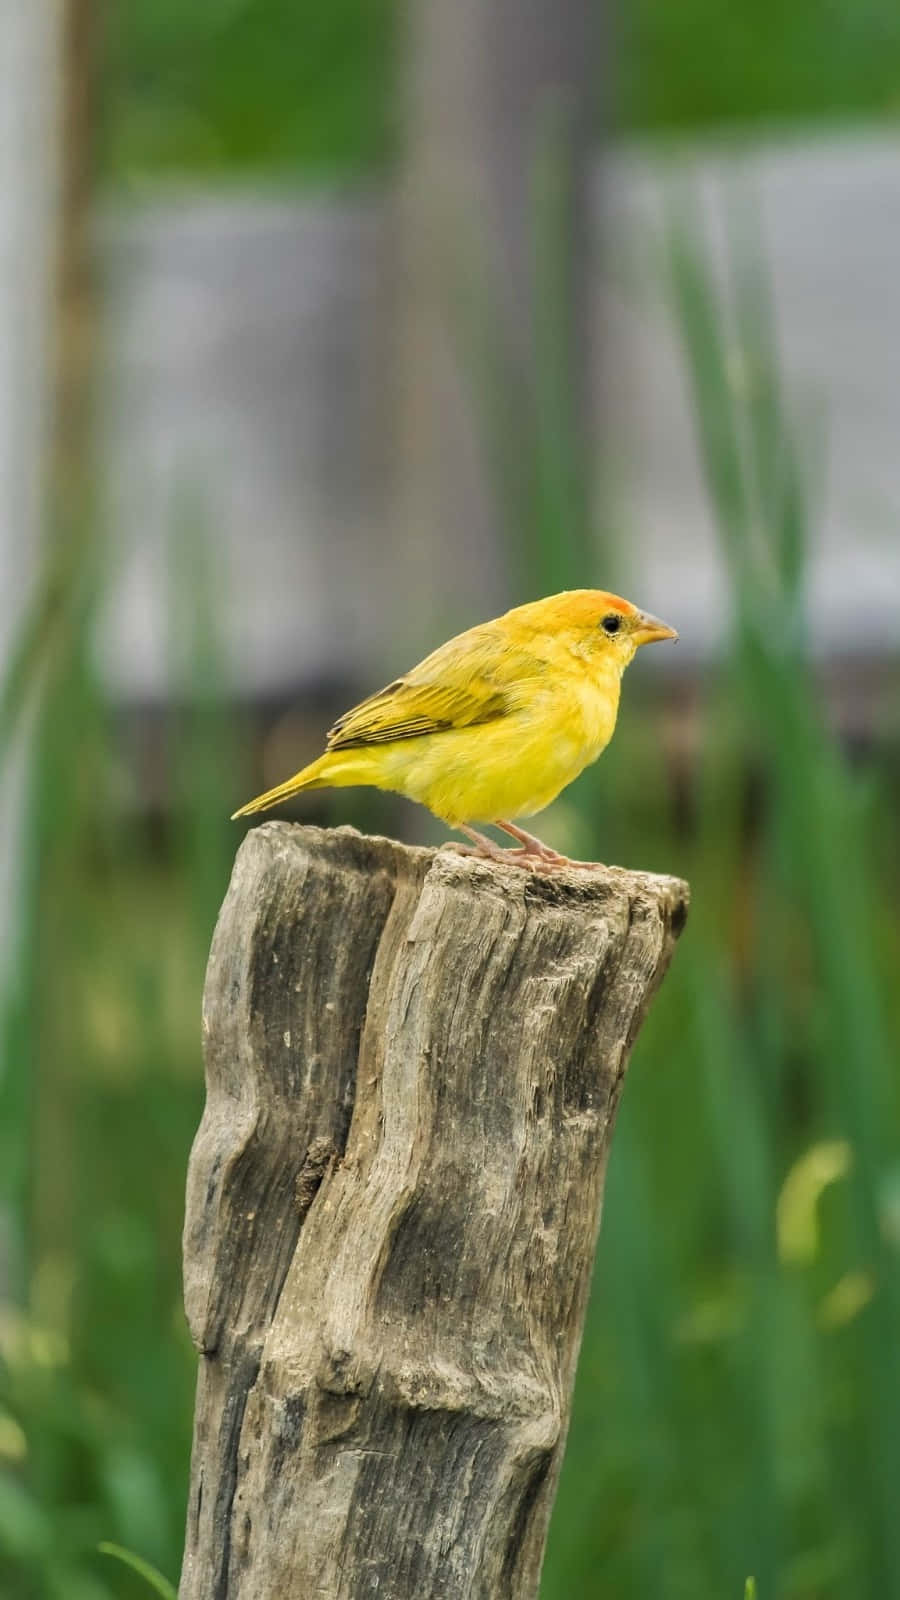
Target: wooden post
(413,1065)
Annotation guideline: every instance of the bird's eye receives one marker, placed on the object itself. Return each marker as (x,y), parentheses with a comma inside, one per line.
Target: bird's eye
(612,623)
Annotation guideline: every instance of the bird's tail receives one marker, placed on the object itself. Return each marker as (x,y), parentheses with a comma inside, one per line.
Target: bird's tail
(336,769)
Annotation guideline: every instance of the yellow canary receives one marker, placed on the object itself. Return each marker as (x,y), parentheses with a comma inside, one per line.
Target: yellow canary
(495,723)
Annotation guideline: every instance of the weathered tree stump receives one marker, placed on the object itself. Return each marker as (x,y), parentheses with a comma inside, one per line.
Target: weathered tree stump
(413,1066)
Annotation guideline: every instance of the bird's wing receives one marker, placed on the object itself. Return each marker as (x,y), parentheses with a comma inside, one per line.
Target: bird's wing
(471,679)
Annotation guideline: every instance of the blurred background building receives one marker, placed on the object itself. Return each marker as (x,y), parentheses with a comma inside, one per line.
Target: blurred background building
(297,365)
(325,332)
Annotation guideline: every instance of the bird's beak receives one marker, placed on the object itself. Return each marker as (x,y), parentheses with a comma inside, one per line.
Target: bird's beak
(649,629)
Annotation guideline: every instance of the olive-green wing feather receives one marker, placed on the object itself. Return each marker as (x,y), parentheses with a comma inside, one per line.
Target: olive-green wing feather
(469,680)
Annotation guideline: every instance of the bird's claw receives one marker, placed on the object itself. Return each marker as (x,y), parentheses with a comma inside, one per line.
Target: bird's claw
(534,857)
(516,858)
(540,856)
(553,862)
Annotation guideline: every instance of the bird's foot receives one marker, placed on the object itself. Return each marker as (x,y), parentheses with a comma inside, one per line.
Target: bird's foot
(484,849)
(539,856)
(533,855)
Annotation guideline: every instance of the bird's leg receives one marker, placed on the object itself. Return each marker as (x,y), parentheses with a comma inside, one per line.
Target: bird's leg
(532,852)
(484,848)
(530,845)
(542,857)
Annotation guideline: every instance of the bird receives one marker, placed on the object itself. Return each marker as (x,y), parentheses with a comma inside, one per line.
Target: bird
(494,724)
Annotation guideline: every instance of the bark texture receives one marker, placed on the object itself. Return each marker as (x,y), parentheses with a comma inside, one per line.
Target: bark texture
(413,1065)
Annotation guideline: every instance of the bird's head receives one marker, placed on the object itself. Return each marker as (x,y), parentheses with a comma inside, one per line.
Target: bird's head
(602,625)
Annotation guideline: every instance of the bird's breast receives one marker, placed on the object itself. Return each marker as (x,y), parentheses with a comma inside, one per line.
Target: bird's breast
(516,764)
(593,707)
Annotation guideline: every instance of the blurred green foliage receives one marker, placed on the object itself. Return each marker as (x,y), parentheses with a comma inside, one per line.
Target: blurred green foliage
(720,63)
(99,1099)
(230,86)
(284,87)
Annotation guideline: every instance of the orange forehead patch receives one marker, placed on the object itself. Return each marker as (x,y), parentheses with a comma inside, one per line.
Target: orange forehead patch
(586,606)
(574,608)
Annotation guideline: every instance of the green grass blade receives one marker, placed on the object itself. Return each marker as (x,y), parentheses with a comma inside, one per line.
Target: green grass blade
(155,1579)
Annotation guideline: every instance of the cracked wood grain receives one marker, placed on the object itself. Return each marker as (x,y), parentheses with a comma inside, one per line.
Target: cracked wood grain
(413,1066)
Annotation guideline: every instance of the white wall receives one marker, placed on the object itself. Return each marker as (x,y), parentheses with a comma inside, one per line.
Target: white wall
(249,341)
